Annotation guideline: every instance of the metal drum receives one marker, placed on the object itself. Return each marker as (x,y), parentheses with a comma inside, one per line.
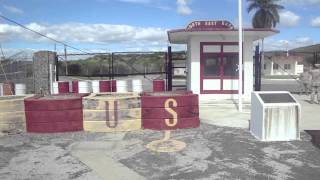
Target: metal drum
(20,89)
(95,86)
(158,85)
(1,89)
(8,88)
(137,85)
(122,86)
(84,87)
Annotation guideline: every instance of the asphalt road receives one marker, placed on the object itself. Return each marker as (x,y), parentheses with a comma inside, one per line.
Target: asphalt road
(291,85)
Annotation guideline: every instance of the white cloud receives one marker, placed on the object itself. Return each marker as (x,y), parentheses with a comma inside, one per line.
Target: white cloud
(183,8)
(13,9)
(288,18)
(315,22)
(80,33)
(284,44)
(301,2)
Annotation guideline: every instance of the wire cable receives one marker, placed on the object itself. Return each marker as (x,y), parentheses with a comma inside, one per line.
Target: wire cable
(40,34)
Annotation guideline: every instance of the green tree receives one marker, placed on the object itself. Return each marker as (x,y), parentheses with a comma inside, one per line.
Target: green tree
(266,13)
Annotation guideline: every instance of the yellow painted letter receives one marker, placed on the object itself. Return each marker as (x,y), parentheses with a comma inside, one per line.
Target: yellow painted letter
(174,121)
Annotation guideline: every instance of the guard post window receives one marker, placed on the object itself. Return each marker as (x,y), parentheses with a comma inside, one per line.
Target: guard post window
(287,66)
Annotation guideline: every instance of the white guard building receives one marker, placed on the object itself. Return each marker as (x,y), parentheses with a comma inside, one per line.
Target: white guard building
(212,62)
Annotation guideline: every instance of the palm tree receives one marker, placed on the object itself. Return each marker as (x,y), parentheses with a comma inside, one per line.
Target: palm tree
(266,13)
(266,16)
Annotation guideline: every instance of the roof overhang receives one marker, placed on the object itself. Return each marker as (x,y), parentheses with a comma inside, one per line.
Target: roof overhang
(181,36)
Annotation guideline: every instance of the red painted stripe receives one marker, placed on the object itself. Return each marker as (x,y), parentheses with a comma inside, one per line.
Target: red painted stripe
(53,116)
(159,124)
(182,112)
(36,104)
(55,127)
(158,101)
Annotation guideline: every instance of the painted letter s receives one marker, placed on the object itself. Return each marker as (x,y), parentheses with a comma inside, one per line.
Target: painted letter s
(167,107)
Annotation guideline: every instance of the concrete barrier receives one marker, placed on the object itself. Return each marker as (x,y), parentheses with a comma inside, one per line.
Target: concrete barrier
(56,113)
(12,114)
(170,110)
(112,112)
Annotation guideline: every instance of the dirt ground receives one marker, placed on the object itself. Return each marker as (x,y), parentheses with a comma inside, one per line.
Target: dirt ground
(212,152)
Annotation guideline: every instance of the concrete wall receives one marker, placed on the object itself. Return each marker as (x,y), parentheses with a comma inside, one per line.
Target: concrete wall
(193,77)
(295,68)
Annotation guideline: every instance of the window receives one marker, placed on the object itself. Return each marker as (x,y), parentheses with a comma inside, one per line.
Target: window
(264,66)
(230,65)
(212,66)
(287,66)
(275,66)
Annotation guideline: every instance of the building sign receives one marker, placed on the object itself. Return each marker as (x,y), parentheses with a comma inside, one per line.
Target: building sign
(209,25)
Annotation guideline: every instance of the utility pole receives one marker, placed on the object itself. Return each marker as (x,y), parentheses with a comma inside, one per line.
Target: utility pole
(65,58)
(240,55)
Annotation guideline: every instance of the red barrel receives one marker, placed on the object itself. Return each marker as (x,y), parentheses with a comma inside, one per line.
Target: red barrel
(8,88)
(170,110)
(75,87)
(105,86)
(63,87)
(114,85)
(158,85)
(58,113)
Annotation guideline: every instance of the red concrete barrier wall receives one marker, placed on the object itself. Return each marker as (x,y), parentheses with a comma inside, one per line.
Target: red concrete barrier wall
(58,113)
(170,110)
(158,86)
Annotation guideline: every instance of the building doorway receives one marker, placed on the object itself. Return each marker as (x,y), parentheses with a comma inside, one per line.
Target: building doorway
(219,68)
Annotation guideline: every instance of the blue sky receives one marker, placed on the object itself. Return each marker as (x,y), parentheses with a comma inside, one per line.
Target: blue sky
(129,25)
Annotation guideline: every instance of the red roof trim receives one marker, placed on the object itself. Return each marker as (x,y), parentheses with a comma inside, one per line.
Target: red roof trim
(227,30)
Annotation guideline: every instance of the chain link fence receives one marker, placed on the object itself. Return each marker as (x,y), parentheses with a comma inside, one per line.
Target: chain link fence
(18,68)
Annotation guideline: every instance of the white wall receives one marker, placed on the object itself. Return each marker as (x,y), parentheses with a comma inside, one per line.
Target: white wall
(295,68)
(193,77)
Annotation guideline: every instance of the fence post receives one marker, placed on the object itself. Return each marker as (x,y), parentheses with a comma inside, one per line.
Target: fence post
(166,68)
(57,68)
(112,71)
(257,70)
(169,69)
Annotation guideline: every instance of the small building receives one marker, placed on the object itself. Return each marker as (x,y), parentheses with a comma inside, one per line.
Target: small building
(282,63)
(212,58)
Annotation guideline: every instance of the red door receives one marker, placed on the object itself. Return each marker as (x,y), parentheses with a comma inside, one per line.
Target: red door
(219,68)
